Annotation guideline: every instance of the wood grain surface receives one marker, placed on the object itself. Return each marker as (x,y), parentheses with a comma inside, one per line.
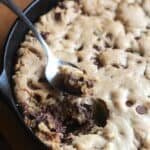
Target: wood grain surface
(10,129)
(7,18)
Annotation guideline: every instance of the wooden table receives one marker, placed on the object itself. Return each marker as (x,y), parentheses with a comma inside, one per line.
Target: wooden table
(9,126)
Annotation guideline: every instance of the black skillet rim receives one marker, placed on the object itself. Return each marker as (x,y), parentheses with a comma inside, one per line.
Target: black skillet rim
(14,104)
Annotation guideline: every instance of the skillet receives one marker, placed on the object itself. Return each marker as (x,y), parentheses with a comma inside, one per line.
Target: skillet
(15,37)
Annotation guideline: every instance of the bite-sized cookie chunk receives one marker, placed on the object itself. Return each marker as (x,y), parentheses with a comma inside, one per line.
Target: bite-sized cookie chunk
(76,81)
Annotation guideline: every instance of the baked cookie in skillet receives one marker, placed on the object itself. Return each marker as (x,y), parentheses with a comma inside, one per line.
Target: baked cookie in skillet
(110,41)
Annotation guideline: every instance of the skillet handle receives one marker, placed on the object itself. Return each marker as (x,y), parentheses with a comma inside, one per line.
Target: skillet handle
(4,86)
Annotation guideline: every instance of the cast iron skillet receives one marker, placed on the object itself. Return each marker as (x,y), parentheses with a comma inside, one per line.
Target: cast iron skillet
(16,36)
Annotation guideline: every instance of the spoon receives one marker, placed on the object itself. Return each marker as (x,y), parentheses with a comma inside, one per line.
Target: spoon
(53,64)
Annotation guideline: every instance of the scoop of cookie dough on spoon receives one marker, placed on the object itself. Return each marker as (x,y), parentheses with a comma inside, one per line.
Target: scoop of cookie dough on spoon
(73,80)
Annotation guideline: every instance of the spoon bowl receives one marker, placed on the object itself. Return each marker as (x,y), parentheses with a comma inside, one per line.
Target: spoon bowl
(54,77)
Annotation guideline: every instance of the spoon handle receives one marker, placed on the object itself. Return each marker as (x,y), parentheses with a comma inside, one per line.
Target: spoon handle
(12,6)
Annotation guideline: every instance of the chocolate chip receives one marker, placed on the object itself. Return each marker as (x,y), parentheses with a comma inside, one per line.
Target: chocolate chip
(129,103)
(42,80)
(57,16)
(101,113)
(116,65)
(48,96)
(81,79)
(139,61)
(45,34)
(97,61)
(78,1)
(80,59)
(32,85)
(90,83)
(31,117)
(115,46)
(66,37)
(129,50)
(98,48)
(107,45)
(84,71)
(98,39)
(142,53)
(119,66)
(109,36)
(37,97)
(148,27)
(80,48)
(137,38)
(67,139)
(141,109)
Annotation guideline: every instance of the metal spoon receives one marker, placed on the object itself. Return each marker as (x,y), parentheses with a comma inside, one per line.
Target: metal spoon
(53,64)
